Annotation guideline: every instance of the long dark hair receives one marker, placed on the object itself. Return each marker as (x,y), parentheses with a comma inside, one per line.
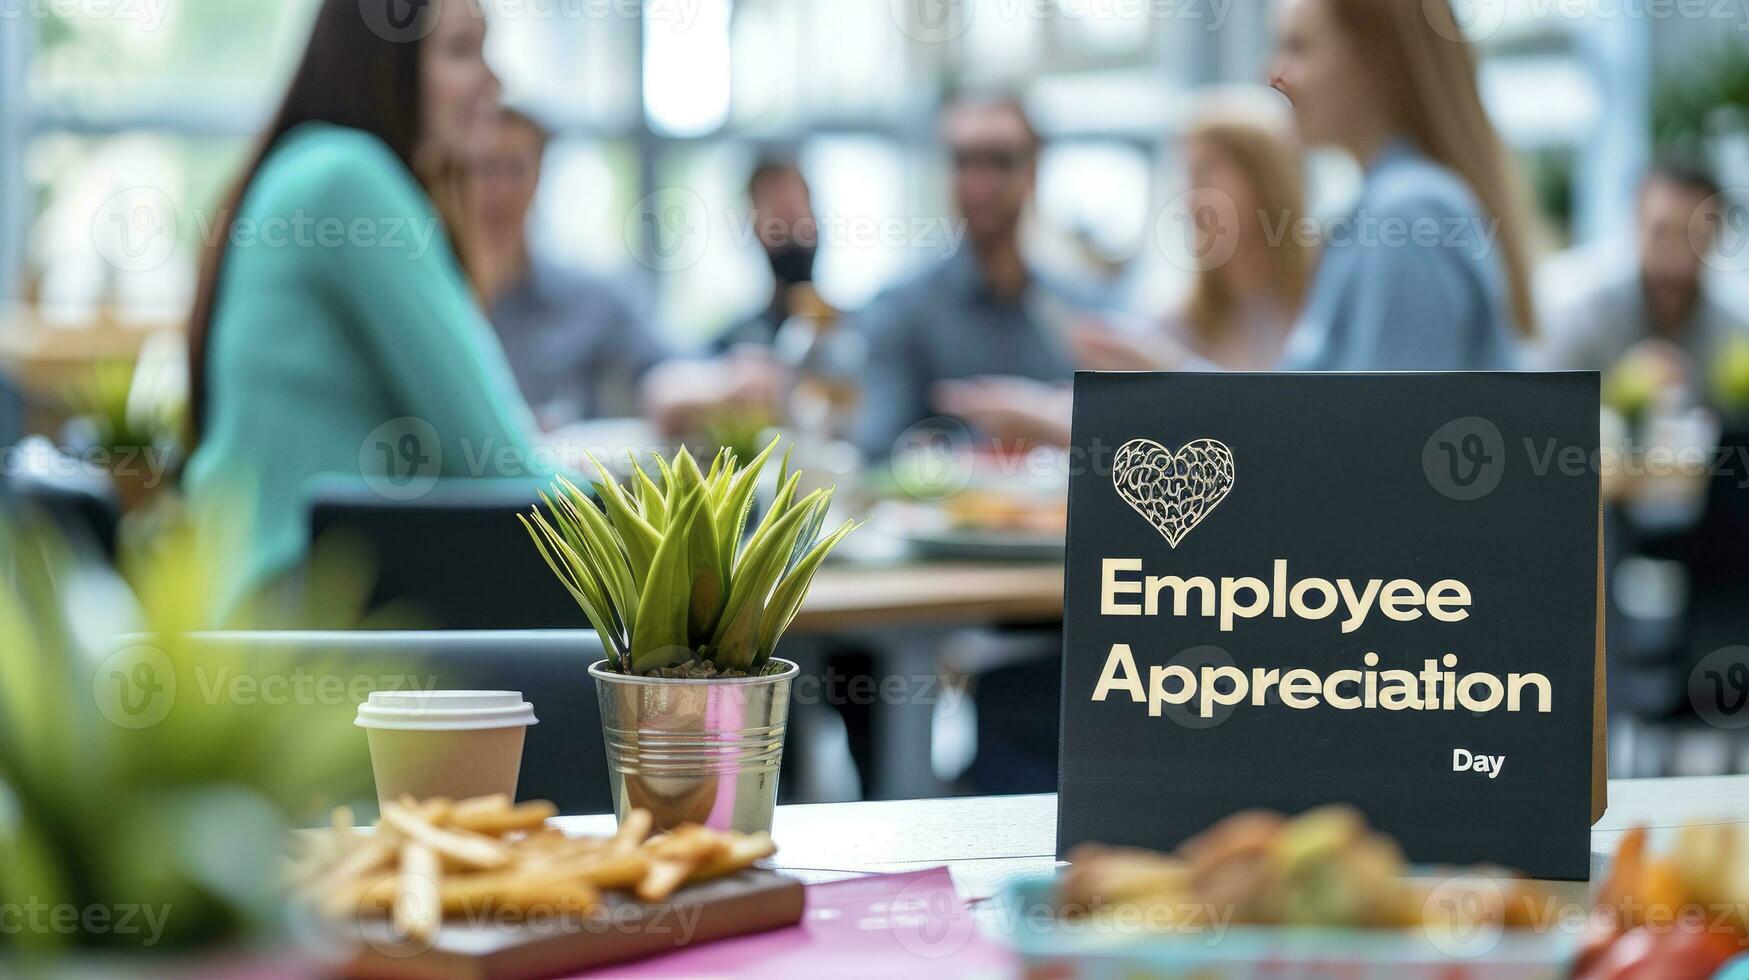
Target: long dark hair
(361,70)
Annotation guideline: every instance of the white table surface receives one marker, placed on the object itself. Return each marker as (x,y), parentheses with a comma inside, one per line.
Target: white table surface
(988,841)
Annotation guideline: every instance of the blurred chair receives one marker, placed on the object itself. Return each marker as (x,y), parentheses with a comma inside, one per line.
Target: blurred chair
(456,557)
(1653,663)
(80,504)
(563,759)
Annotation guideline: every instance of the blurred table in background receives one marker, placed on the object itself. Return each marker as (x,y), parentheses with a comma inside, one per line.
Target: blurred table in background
(937,594)
(899,610)
(40,359)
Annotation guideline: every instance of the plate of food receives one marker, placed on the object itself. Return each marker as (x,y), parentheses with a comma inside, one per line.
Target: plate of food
(1262,895)
(981,525)
(487,890)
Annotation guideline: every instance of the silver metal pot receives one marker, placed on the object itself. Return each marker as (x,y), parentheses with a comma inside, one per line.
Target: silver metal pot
(695,751)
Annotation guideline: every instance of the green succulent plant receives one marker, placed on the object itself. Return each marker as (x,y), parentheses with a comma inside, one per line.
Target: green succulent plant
(663,570)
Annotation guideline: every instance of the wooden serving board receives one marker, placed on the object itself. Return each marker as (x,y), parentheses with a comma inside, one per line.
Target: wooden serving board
(755,900)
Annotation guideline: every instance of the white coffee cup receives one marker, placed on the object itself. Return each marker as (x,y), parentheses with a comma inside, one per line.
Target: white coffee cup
(455,744)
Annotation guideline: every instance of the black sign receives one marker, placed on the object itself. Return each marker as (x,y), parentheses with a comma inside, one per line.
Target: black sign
(1289,590)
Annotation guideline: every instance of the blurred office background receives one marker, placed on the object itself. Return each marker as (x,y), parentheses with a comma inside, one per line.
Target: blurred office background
(677,98)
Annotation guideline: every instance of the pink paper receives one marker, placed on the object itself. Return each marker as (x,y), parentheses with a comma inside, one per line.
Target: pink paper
(880,927)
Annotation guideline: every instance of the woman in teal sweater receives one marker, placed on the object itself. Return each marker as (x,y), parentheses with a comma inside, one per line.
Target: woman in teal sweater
(334,332)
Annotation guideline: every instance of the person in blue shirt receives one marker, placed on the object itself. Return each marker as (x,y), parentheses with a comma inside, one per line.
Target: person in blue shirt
(982,328)
(1430,270)
(579,343)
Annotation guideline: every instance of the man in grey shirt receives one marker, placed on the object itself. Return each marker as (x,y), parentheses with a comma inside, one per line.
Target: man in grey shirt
(1661,302)
(578,344)
(982,315)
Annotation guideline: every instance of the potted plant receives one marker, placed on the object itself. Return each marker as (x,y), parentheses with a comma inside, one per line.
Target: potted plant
(124,425)
(131,792)
(1730,384)
(690,609)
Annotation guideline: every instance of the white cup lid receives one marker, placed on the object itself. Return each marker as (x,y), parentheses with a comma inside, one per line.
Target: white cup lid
(445,710)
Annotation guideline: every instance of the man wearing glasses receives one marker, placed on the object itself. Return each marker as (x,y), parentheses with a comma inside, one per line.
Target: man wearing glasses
(982,330)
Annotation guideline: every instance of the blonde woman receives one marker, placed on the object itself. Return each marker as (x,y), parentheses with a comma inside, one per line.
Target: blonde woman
(1255,255)
(1256,259)
(1430,271)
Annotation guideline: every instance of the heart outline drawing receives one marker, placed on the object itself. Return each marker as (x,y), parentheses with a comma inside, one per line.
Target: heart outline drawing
(1173,491)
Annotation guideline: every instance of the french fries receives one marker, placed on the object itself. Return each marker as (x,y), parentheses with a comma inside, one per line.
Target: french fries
(432,859)
(463,847)
(417,912)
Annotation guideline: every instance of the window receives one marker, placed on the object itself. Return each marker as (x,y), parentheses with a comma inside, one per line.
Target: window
(670,101)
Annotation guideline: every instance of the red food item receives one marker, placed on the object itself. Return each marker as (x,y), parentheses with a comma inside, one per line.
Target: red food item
(1666,955)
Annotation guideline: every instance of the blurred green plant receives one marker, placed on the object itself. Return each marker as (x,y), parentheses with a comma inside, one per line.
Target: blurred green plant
(117,414)
(1709,99)
(1551,184)
(134,783)
(735,428)
(1730,378)
(1632,385)
(666,576)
